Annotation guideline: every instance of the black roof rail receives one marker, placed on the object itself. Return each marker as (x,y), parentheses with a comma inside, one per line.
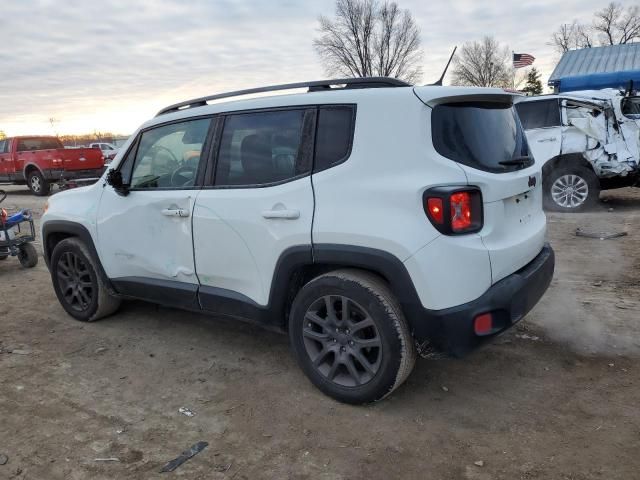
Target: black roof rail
(319,85)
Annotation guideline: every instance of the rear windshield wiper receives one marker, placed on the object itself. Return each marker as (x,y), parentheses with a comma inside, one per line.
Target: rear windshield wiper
(524,160)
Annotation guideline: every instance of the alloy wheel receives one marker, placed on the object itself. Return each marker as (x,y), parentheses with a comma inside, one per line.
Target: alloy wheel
(74,280)
(35,183)
(570,191)
(342,341)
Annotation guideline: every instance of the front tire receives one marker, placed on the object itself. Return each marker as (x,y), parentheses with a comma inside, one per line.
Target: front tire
(571,189)
(350,337)
(37,184)
(77,284)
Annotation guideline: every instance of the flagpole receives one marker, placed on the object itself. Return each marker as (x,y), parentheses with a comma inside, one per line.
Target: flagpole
(513,79)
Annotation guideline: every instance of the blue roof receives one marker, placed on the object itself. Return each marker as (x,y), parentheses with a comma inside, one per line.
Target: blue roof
(598,81)
(595,63)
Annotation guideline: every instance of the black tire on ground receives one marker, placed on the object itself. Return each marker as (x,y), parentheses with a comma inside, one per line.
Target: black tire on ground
(37,183)
(333,352)
(575,175)
(28,255)
(78,286)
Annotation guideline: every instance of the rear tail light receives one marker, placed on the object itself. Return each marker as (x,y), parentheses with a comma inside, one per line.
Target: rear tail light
(454,210)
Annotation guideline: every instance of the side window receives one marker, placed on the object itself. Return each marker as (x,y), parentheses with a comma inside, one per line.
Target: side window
(260,148)
(539,114)
(3,146)
(168,156)
(631,107)
(334,136)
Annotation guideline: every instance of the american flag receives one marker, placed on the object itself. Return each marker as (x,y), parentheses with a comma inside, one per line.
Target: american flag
(522,60)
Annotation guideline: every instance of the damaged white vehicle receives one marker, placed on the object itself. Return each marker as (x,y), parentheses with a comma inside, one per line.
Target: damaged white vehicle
(587,141)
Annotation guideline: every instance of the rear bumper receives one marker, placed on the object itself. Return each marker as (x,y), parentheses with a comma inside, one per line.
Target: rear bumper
(452,330)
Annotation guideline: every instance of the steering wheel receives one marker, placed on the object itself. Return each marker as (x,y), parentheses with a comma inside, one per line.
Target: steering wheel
(179,172)
(170,154)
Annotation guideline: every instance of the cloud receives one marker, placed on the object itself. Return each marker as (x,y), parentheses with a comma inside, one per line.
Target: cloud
(110,65)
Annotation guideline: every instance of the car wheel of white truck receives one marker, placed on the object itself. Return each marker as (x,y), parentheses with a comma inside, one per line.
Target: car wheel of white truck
(37,184)
(571,189)
(350,336)
(77,284)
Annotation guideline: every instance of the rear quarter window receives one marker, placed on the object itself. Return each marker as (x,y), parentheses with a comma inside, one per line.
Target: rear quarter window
(540,114)
(479,135)
(334,136)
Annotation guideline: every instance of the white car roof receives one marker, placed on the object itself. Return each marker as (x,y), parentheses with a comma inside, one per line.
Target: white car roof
(427,94)
(582,95)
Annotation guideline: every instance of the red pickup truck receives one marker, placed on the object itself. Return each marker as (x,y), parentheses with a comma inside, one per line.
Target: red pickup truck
(39,161)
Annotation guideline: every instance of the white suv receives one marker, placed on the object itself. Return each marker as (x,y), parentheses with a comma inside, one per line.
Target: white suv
(370,219)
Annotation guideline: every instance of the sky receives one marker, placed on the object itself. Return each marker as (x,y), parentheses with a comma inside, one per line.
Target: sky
(109,65)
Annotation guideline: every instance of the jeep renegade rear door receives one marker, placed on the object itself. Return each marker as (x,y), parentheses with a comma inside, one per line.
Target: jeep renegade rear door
(257,205)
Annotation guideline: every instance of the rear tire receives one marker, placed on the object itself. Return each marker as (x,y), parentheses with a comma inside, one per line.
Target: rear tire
(37,184)
(78,286)
(28,255)
(358,354)
(571,189)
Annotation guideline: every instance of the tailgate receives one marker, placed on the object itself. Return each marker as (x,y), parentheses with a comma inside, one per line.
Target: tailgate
(81,159)
(483,135)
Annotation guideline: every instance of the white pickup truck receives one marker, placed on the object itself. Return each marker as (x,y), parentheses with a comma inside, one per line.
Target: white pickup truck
(587,141)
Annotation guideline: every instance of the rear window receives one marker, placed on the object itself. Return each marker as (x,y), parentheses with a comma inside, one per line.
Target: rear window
(480,135)
(27,144)
(540,114)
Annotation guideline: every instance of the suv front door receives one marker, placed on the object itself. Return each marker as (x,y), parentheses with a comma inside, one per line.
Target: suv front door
(257,203)
(144,237)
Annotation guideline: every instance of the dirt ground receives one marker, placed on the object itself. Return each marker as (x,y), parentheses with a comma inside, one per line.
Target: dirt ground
(557,397)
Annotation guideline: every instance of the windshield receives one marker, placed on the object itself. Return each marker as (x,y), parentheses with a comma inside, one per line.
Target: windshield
(483,135)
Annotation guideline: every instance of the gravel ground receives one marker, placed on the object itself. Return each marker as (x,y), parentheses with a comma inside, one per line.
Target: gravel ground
(557,397)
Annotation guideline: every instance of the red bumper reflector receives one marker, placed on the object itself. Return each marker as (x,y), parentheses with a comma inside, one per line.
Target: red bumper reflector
(483,324)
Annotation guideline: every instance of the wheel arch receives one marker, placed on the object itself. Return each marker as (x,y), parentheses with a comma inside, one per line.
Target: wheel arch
(299,265)
(30,167)
(565,159)
(54,231)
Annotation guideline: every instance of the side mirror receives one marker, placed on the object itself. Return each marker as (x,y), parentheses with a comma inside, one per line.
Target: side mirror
(114,178)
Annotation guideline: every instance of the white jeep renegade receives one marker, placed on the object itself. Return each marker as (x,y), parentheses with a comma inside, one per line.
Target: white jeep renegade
(370,219)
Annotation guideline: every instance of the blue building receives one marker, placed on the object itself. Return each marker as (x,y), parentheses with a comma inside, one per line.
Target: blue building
(612,66)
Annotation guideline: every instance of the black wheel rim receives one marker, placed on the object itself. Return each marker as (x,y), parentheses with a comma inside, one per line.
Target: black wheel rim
(74,280)
(342,341)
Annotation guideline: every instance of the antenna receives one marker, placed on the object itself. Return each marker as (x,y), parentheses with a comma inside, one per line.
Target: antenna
(439,82)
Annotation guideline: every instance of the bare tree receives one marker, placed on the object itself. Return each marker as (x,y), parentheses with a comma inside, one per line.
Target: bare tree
(570,36)
(483,64)
(611,26)
(367,38)
(617,25)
